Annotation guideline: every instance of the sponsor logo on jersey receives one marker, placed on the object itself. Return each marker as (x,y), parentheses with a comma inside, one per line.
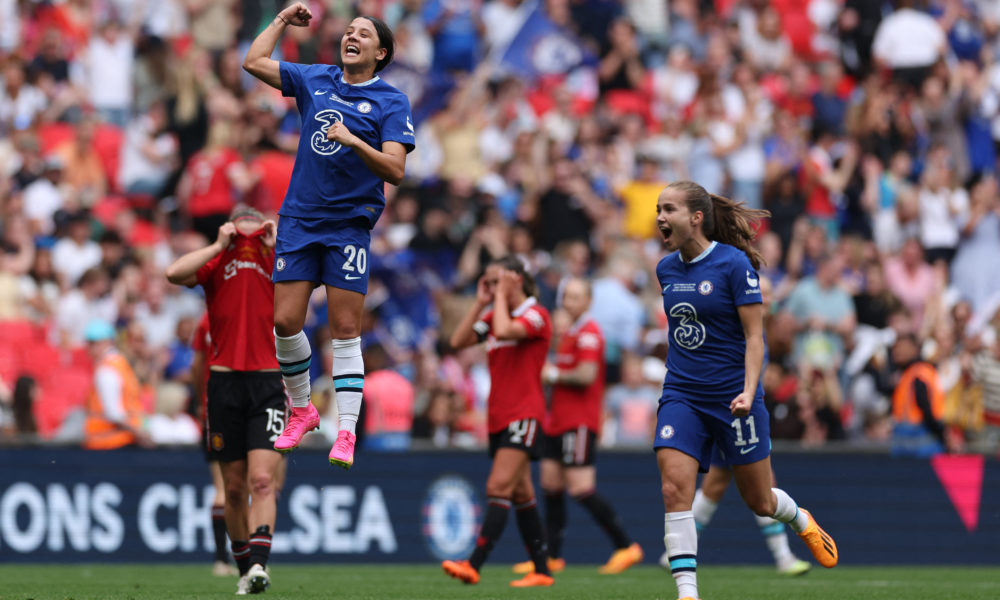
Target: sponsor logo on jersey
(705,287)
(450,517)
(319,92)
(534,318)
(588,340)
(280,264)
(337,98)
(688,332)
(364,107)
(751,280)
(667,432)
(318,141)
(666,288)
(748,450)
(352,277)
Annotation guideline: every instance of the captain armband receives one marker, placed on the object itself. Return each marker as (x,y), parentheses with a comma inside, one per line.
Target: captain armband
(482,329)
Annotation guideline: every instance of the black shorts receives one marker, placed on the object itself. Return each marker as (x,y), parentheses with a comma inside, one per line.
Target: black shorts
(573,448)
(246,411)
(523,435)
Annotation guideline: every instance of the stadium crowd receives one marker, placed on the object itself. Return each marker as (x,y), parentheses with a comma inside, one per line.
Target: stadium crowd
(869,130)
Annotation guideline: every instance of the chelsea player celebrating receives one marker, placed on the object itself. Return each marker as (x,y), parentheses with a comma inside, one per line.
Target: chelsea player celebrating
(356,132)
(712,393)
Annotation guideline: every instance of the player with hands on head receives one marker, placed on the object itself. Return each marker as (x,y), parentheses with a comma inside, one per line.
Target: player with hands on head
(712,393)
(246,397)
(356,132)
(572,426)
(517,331)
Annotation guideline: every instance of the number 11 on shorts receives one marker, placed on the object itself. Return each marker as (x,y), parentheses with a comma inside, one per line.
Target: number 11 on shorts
(753,439)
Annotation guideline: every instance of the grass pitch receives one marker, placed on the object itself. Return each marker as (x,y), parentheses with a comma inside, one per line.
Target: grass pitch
(427,582)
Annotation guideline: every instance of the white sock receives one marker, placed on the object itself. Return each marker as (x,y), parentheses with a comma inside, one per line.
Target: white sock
(788,511)
(776,538)
(294,357)
(703,510)
(348,381)
(681,539)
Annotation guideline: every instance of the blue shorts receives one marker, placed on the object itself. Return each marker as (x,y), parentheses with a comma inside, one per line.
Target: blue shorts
(699,427)
(328,251)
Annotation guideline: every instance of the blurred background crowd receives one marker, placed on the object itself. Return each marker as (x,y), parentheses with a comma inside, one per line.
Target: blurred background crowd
(128,131)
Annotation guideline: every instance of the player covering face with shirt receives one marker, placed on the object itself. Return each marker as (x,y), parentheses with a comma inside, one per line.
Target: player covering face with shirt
(712,393)
(356,131)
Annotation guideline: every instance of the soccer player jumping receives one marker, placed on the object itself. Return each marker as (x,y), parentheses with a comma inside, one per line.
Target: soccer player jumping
(712,392)
(356,132)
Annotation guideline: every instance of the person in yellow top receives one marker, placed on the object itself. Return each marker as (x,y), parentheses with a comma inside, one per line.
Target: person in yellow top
(114,412)
(639,198)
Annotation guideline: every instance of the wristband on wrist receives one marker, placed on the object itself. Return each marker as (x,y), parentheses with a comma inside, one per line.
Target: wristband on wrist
(282,19)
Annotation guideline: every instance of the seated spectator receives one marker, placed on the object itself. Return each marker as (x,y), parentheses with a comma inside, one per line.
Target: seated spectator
(171,425)
(75,253)
(388,402)
(630,408)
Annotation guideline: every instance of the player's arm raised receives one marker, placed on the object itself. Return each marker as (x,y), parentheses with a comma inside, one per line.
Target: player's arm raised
(465,333)
(184,270)
(258,61)
(505,327)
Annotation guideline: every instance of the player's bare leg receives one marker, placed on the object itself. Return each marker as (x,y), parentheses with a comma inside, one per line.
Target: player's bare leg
(262,475)
(755,484)
(234,476)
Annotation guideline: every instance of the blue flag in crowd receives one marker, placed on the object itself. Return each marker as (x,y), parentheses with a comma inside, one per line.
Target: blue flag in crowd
(543,48)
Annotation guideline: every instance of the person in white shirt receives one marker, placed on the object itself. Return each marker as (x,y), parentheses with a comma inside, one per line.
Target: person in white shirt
(909,42)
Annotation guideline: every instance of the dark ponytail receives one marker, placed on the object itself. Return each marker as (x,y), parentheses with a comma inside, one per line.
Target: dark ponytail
(512,262)
(725,220)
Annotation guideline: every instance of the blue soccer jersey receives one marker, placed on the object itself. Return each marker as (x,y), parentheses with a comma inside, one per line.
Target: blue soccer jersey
(707,345)
(328,180)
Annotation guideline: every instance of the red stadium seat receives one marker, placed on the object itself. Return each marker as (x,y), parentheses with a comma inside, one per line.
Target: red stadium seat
(60,392)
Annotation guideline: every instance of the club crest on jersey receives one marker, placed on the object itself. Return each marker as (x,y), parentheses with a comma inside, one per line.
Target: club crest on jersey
(364,107)
(666,432)
(705,287)
(751,280)
(218,443)
(280,264)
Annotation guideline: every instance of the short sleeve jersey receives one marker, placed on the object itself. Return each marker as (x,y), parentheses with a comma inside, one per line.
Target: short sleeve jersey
(516,367)
(573,405)
(707,345)
(240,298)
(328,180)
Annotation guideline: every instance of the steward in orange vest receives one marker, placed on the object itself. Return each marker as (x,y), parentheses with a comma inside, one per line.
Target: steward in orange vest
(917,403)
(114,411)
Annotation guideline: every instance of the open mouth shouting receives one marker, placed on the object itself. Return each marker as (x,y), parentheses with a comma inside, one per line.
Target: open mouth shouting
(665,232)
(352,49)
